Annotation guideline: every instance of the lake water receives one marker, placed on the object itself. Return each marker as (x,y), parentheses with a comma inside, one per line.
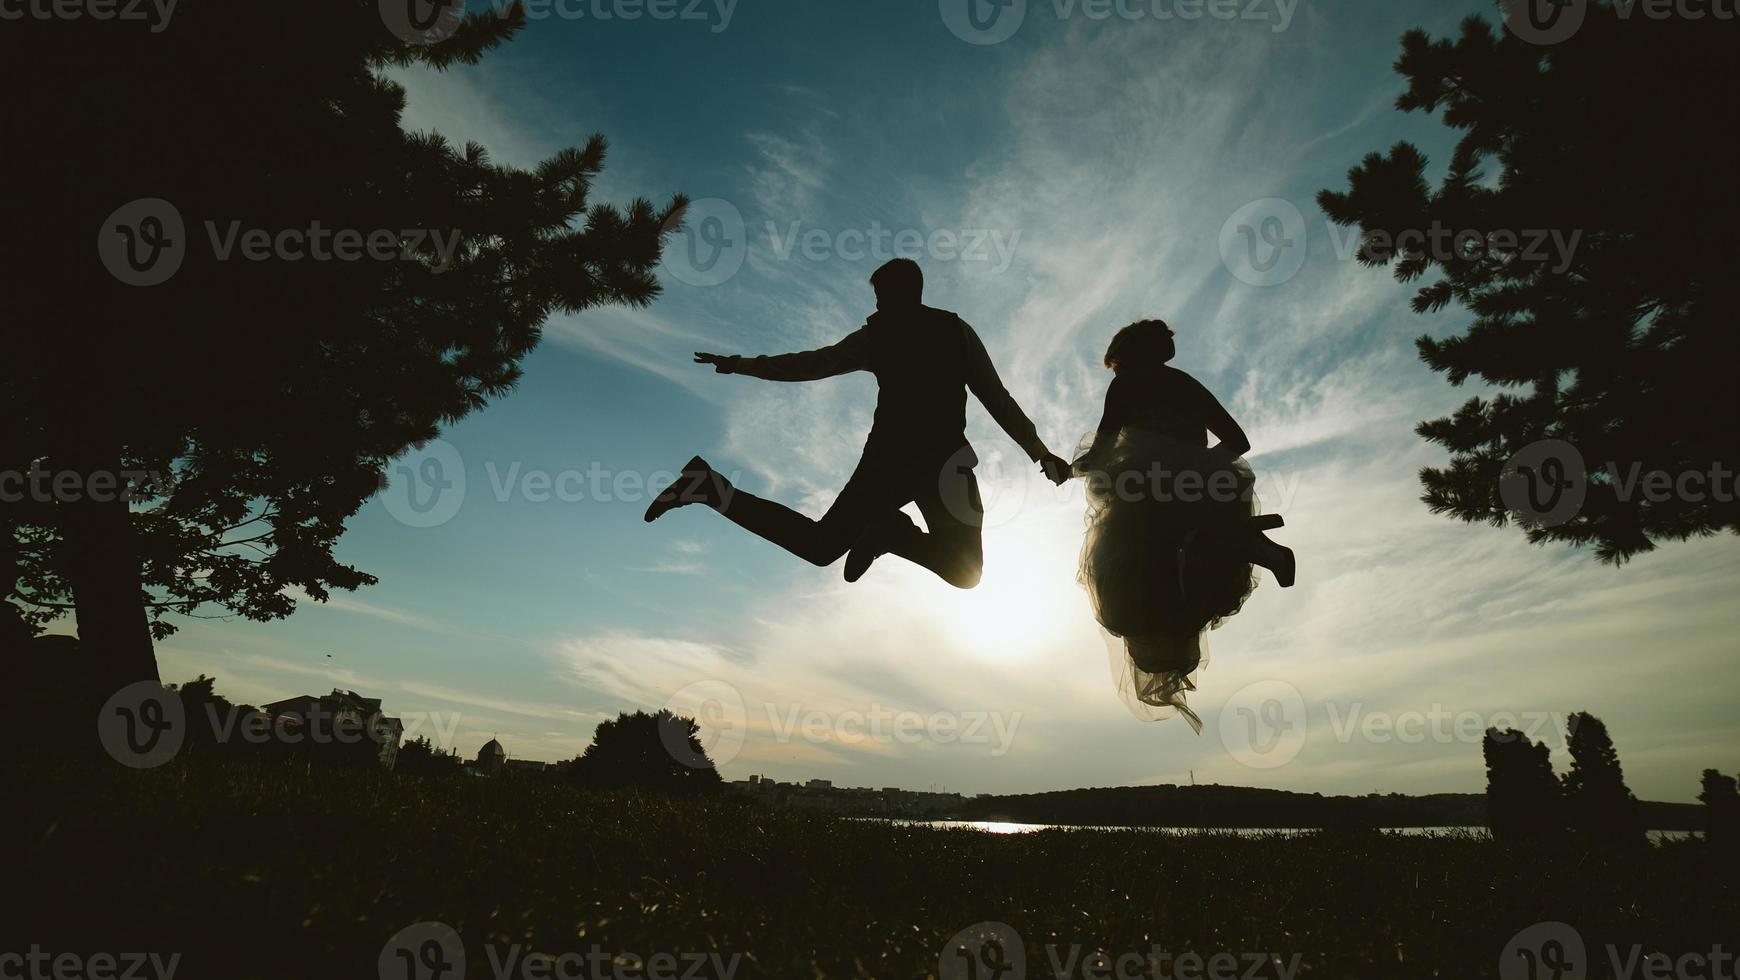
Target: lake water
(1003,827)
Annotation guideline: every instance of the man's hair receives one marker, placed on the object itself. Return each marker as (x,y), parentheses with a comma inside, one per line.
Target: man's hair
(1145,343)
(899,279)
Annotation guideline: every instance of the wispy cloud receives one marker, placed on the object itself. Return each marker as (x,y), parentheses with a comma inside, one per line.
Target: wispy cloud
(344,602)
(640,338)
(788,174)
(528,709)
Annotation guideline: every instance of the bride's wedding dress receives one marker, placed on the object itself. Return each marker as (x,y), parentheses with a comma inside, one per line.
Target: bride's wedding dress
(1164,559)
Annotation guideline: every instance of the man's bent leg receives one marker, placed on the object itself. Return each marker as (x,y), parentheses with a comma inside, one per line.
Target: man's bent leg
(820,542)
(953,547)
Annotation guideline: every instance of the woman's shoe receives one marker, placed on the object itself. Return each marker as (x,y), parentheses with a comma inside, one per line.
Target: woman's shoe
(1276,558)
(1285,567)
(1279,559)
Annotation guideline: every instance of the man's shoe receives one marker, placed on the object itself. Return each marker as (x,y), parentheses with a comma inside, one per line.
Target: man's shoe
(875,542)
(698,484)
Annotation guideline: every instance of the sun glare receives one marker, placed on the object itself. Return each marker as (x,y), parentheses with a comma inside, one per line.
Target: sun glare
(1028,597)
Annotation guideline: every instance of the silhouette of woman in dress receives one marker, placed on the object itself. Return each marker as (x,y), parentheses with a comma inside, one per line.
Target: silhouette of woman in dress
(1172,527)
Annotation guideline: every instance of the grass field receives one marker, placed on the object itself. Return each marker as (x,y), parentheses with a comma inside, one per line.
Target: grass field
(271,871)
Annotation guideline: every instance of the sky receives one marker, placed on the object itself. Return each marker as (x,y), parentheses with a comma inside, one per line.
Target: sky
(1059,171)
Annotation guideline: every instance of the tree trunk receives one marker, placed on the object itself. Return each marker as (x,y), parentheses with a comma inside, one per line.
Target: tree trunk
(103,568)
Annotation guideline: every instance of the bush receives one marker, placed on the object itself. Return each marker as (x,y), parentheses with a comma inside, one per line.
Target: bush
(1597,802)
(659,752)
(1523,799)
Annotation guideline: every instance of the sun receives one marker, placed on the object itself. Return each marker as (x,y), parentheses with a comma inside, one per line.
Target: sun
(1027,600)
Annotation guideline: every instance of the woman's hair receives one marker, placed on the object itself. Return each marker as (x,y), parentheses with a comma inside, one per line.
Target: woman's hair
(1145,343)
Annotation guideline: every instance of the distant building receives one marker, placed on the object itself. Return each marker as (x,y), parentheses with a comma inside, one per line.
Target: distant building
(819,784)
(756,784)
(342,714)
(490,759)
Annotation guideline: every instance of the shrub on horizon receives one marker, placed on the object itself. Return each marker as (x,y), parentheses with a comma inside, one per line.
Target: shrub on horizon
(1523,798)
(1598,804)
(660,752)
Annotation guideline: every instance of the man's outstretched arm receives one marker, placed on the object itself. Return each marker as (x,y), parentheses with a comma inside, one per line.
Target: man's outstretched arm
(985,385)
(850,354)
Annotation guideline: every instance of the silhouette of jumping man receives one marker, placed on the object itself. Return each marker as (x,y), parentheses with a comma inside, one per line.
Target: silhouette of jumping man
(925,361)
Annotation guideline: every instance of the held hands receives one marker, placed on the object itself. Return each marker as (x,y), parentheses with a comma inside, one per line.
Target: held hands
(1056,468)
(722,363)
